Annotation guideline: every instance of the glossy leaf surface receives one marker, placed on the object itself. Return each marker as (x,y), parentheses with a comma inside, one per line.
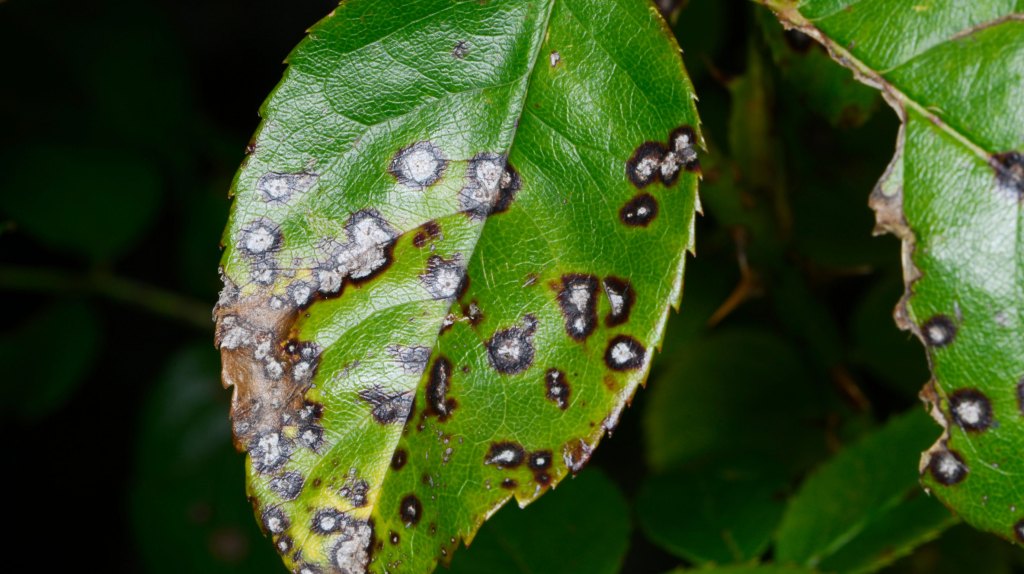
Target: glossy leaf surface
(451,255)
(954,194)
(862,510)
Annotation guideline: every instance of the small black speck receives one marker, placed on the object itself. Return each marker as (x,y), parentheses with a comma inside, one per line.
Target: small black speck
(399,459)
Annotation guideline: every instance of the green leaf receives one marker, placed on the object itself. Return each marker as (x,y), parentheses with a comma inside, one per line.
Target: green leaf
(566,533)
(953,193)
(709,402)
(719,513)
(442,283)
(862,509)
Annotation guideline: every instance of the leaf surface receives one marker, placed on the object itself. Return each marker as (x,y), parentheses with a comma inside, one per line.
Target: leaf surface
(861,509)
(451,255)
(954,193)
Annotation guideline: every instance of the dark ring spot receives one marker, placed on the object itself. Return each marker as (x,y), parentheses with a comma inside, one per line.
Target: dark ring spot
(938,331)
(639,211)
(624,353)
(411,510)
(971,409)
(947,467)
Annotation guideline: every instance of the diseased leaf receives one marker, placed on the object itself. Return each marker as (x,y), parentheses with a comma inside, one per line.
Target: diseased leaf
(565,533)
(862,509)
(751,569)
(954,194)
(451,255)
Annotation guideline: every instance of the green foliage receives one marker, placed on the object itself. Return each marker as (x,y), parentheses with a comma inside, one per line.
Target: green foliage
(783,430)
(953,194)
(441,293)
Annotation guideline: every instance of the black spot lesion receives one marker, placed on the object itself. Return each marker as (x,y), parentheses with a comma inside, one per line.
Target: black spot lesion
(288,485)
(505,454)
(624,353)
(1009,167)
(577,298)
(327,521)
(399,459)
(971,410)
(939,331)
(439,384)
(655,161)
(460,49)
(540,462)
(639,211)
(621,298)
(557,388)
(491,185)
(947,467)
(427,233)
(410,509)
(510,351)
(387,407)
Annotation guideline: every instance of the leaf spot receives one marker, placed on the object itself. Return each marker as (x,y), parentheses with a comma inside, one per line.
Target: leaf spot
(947,467)
(279,187)
(624,353)
(443,277)
(411,510)
(639,211)
(621,297)
(275,520)
(938,331)
(412,360)
(491,186)
(269,451)
(557,387)
(387,407)
(418,166)
(288,485)
(578,300)
(460,50)
(1009,168)
(260,238)
(971,409)
(511,350)
(439,404)
(505,455)
(327,521)
(554,58)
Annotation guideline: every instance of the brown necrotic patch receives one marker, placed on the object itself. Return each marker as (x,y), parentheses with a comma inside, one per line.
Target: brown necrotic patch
(575,454)
(510,351)
(428,232)
(1009,168)
(399,459)
(971,409)
(505,454)
(556,387)
(947,467)
(620,297)
(410,509)
(624,353)
(577,298)
(386,406)
(439,382)
(639,211)
(938,331)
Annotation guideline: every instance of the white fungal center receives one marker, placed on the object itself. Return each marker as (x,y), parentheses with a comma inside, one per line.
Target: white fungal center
(948,466)
(622,353)
(509,349)
(970,412)
(270,448)
(488,174)
(579,296)
(506,456)
(275,525)
(259,239)
(937,334)
(328,522)
(645,169)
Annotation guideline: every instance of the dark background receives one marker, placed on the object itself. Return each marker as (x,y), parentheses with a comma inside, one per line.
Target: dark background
(123,123)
